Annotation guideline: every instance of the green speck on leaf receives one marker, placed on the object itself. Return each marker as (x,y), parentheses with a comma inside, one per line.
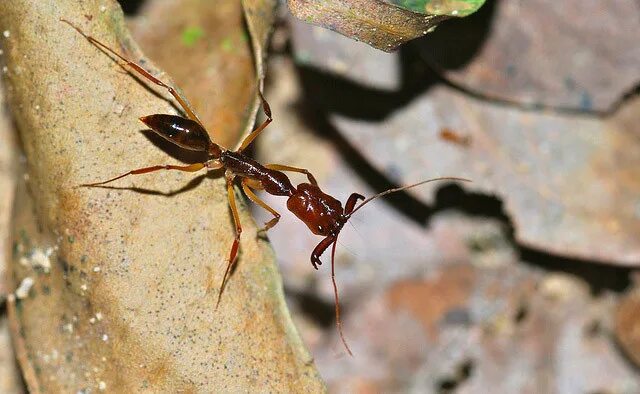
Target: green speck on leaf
(191,35)
(227,44)
(24,237)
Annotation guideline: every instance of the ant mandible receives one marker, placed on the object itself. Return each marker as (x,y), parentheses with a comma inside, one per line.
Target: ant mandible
(322,213)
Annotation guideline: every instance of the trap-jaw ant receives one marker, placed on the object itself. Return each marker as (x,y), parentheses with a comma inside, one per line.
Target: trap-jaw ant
(323,214)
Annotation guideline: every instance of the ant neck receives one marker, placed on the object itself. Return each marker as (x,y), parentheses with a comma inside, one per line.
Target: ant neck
(214,150)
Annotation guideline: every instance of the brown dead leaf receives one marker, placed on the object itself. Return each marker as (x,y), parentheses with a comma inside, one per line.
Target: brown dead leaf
(569,182)
(505,335)
(627,328)
(207,50)
(8,173)
(446,292)
(381,25)
(568,54)
(114,279)
(10,381)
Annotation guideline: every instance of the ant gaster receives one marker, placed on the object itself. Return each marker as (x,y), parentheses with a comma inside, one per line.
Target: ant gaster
(323,214)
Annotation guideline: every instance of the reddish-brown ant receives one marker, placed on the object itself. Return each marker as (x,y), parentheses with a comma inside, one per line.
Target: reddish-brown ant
(323,214)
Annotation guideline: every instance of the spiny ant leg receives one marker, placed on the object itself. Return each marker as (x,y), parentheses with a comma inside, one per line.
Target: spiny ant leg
(189,168)
(280,167)
(183,103)
(236,241)
(319,249)
(267,111)
(253,197)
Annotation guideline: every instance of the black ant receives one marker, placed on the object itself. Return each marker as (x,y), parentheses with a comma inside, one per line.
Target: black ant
(323,214)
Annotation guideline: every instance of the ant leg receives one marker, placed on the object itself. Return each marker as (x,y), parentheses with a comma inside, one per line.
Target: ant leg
(246,186)
(236,242)
(280,167)
(351,202)
(267,111)
(183,103)
(189,168)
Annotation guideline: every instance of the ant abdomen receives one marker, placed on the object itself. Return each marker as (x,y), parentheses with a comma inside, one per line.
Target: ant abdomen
(183,132)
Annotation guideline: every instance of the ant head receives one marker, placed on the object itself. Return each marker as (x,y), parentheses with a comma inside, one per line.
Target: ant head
(322,213)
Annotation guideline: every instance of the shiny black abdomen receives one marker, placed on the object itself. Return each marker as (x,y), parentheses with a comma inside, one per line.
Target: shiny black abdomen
(183,132)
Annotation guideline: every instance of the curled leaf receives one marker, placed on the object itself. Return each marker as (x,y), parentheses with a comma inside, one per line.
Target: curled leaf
(114,281)
(379,24)
(213,56)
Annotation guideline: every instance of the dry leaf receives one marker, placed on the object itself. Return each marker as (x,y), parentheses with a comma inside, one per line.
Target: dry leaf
(627,328)
(114,279)
(564,54)
(10,381)
(207,50)
(379,24)
(568,182)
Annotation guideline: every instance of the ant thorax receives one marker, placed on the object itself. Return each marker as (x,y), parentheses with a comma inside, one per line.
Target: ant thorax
(322,213)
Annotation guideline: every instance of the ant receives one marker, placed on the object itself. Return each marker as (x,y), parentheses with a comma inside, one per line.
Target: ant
(323,214)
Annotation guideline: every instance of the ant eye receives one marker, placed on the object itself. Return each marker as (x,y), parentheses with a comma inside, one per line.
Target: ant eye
(320,228)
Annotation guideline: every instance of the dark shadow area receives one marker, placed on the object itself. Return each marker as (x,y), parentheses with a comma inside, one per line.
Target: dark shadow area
(600,276)
(192,184)
(313,307)
(131,7)
(341,95)
(450,384)
(456,41)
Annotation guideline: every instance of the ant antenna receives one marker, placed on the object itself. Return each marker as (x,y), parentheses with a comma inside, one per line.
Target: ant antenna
(399,189)
(335,242)
(337,298)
